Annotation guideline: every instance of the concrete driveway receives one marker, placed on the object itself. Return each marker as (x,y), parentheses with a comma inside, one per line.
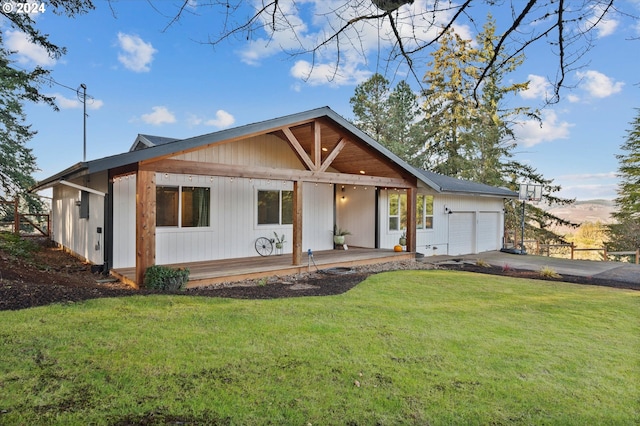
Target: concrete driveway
(623,272)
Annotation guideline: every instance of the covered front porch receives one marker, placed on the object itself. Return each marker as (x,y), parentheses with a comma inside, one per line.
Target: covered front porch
(228,270)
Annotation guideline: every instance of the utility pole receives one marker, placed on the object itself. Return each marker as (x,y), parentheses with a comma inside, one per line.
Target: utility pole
(84,122)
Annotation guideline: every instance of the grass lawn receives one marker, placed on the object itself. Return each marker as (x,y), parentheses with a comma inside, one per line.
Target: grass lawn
(410,347)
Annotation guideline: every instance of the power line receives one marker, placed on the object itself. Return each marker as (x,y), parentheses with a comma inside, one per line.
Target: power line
(54,82)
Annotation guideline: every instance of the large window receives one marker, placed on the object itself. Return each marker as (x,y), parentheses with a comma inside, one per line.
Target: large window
(424,212)
(397,211)
(167,205)
(193,203)
(275,207)
(195,206)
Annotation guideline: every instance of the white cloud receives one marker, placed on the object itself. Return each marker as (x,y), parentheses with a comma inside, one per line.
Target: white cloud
(539,88)
(597,84)
(581,177)
(588,186)
(194,120)
(315,21)
(605,24)
(319,74)
(71,103)
(279,40)
(531,132)
(136,54)
(589,192)
(223,119)
(160,115)
(27,52)
(606,27)
(573,98)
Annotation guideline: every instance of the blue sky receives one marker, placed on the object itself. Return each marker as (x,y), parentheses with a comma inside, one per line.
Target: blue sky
(143,77)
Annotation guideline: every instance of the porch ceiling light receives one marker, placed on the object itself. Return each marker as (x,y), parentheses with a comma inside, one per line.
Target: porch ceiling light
(324,149)
(362,172)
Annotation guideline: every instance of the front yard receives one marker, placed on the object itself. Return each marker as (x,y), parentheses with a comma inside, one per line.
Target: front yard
(409,347)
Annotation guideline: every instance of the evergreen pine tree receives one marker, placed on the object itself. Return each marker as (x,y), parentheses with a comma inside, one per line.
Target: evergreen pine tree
(392,117)
(625,234)
(17,162)
(450,106)
(17,86)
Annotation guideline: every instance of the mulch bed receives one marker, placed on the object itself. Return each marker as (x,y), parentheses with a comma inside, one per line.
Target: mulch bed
(536,275)
(54,276)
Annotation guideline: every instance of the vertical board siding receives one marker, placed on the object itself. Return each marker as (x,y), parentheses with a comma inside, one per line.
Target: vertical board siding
(356,213)
(233,226)
(260,151)
(317,219)
(437,241)
(124,221)
(78,235)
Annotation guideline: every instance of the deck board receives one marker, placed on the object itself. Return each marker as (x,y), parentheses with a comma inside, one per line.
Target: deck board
(227,270)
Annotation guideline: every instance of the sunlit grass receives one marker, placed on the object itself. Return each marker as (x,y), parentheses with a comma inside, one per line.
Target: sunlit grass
(414,347)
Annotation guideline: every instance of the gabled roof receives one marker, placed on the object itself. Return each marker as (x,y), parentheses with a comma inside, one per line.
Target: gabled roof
(447,184)
(148,147)
(147,141)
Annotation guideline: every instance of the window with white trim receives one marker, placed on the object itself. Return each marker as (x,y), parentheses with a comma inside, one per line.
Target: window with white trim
(424,212)
(275,207)
(397,211)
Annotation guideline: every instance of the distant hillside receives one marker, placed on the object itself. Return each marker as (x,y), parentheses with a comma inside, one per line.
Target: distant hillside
(584,211)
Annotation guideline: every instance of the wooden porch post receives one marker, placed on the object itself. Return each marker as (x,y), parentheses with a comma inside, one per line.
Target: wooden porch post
(297,222)
(145,223)
(411,219)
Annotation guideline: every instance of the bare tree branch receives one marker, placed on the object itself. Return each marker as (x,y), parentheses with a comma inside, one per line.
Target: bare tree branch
(566,25)
(499,46)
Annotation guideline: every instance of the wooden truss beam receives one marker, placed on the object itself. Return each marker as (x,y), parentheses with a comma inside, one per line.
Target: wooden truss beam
(295,144)
(187,167)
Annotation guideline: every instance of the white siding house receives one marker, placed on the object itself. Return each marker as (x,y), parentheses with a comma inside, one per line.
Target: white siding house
(170,201)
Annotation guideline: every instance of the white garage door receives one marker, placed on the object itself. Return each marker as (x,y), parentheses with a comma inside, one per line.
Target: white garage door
(462,233)
(488,231)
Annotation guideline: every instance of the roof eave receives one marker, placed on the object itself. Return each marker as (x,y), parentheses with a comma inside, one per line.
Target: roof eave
(77,170)
(482,194)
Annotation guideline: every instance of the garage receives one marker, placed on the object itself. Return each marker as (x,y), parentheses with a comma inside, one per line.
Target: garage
(488,231)
(461,233)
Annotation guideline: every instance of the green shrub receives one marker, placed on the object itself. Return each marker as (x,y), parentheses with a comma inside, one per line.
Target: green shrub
(16,246)
(159,277)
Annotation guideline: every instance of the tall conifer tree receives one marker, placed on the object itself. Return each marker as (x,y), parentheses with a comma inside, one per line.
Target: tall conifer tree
(392,117)
(17,86)
(625,234)
(449,106)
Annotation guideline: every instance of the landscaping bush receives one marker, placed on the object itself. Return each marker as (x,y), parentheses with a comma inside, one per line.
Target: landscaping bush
(160,277)
(15,246)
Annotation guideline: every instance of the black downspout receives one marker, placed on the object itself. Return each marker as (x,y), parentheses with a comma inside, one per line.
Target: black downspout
(335,207)
(108,229)
(377,216)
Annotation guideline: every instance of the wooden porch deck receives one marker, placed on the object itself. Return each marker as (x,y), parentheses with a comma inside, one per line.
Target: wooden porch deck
(228,270)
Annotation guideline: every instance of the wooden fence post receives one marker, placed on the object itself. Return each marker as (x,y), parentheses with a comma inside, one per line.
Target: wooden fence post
(638,256)
(573,247)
